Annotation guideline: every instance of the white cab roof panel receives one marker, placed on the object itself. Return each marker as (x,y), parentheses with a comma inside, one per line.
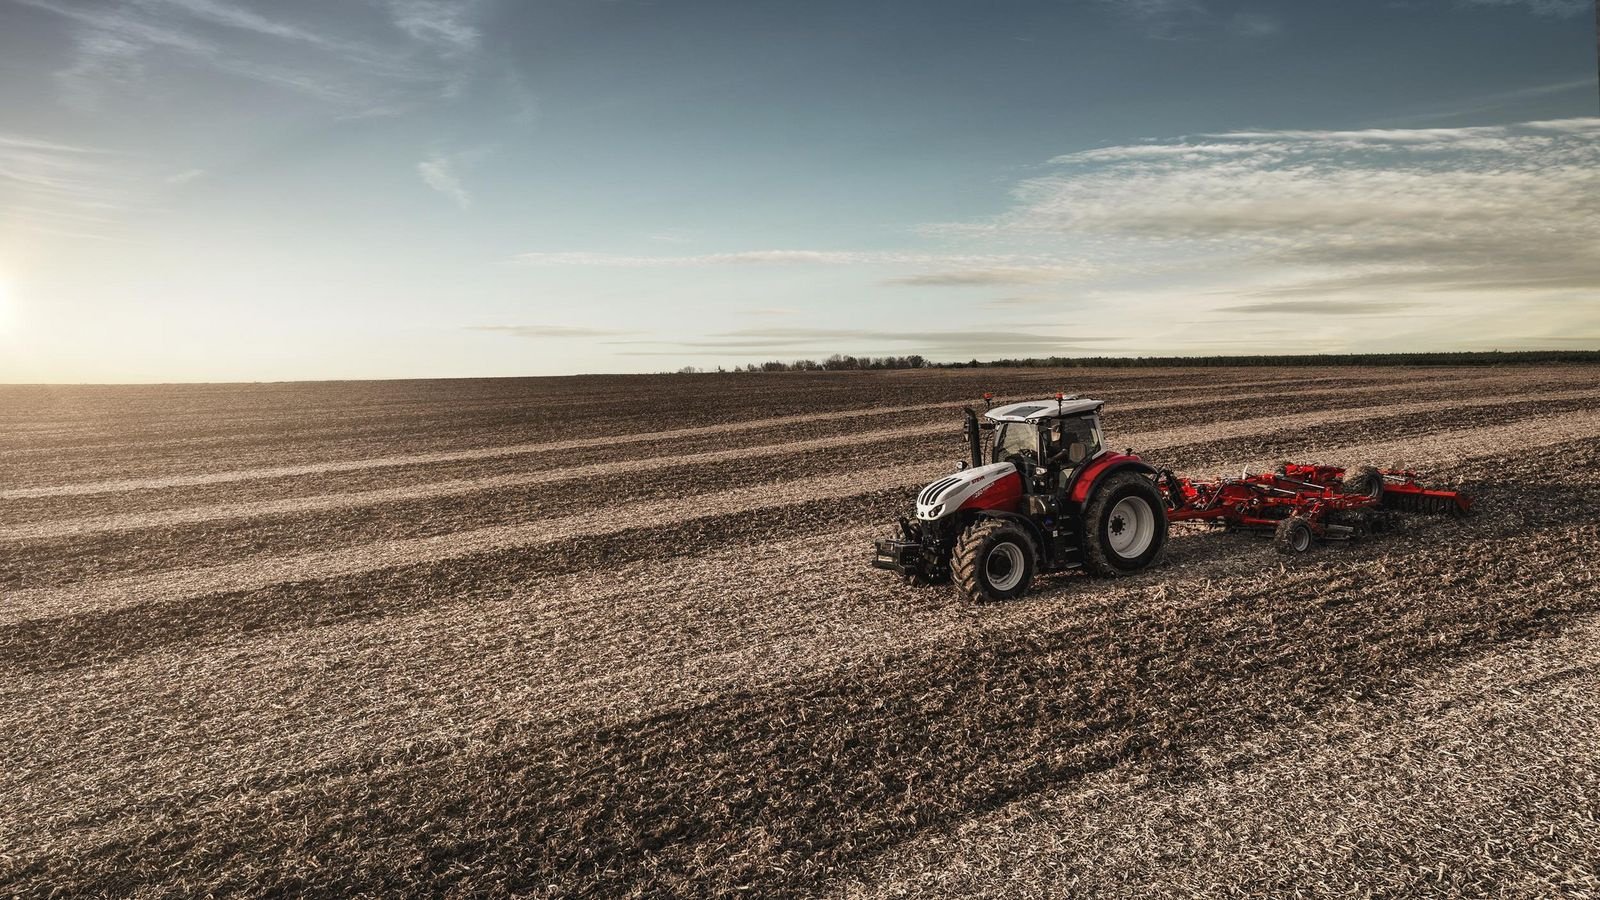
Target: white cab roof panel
(1034,410)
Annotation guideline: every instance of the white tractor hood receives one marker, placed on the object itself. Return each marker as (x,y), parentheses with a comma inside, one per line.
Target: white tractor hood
(945,496)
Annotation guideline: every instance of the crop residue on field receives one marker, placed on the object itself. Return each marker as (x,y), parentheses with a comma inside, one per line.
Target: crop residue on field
(497,637)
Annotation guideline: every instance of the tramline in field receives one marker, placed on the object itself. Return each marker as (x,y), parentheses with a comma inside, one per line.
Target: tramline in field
(1052,497)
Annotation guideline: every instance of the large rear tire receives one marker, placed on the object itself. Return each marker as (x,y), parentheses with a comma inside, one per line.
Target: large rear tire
(1125,525)
(993,560)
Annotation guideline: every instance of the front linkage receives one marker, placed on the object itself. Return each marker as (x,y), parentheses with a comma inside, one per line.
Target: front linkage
(921,554)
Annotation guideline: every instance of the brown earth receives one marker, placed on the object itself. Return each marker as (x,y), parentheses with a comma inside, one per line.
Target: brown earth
(616,637)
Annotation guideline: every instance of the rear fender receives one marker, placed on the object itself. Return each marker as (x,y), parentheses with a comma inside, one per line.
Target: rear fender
(1088,478)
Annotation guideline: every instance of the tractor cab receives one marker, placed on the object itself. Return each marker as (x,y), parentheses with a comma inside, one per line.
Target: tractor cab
(1046,440)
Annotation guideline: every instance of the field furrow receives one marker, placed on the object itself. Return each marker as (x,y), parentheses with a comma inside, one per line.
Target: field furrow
(47,477)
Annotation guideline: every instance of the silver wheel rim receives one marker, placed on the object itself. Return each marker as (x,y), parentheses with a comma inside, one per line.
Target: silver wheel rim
(1004,566)
(1131,528)
(1302,540)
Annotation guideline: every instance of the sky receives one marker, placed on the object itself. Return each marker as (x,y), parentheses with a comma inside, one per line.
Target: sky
(236,190)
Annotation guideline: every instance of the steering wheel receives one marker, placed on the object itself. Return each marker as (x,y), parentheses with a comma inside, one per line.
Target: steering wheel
(1028,457)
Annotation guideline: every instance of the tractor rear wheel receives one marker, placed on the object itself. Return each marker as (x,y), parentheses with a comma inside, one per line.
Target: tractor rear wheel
(1124,526)
(1293,536)
(993,560)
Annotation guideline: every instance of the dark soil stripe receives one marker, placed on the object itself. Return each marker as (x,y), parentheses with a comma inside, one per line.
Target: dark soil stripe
(92,638)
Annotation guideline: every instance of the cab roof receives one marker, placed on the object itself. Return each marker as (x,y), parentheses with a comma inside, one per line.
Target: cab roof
(1035,410)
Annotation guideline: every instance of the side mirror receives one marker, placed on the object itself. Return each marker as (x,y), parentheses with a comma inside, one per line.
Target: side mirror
(961,464)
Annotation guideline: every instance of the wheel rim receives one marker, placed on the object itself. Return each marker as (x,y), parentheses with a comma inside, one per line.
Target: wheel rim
(1302,539)
(1131,527)
(1004,567)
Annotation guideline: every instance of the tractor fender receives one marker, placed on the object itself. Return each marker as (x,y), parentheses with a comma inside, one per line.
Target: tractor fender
(1040,542)
(1089,477)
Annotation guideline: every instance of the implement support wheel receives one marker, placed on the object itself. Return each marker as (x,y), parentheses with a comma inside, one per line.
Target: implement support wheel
(1293,536)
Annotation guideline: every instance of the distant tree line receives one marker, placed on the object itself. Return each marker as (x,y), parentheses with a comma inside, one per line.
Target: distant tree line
(843,363)
(1452,358)
(836,363)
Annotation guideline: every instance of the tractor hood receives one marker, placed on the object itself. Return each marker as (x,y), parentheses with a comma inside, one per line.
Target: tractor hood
(952,492)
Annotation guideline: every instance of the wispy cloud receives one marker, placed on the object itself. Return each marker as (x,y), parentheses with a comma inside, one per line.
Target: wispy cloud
(445,23)
(56,188)
(550,331)
(1160,18)
(1251,24)
(818,342)
(1438,210)
(989,276)
(1543,7)
(954,268)
(117,47)
(439,173)
(1321,307)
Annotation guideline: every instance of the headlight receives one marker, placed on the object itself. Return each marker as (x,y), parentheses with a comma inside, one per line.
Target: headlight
(936,511)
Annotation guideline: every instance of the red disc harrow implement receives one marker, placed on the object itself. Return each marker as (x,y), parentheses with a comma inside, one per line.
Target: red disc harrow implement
(1300,503)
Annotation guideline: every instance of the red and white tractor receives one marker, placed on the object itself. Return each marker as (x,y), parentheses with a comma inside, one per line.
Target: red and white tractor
(1041,493)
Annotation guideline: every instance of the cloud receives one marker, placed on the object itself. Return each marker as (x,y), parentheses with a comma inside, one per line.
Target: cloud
(439,173)
(1164,19)
(986,269)
(550,331)
(1014,302)
(987,277)
(744,257)
(795,342)
(1254,25)
(441,22)
(1321,307)
(1428,210)
(116,47)
(1543,7)
(61,189)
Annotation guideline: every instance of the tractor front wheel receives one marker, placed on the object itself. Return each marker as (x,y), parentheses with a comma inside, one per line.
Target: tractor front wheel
(1125,525)
(993,560)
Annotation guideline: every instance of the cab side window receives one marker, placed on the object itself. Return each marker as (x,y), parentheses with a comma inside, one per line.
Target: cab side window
(1080,439)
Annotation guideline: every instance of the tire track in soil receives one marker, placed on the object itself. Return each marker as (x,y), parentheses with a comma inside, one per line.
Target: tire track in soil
(775,789)
(52,628)
(89,488)
(273,455)
(472,479)
(1126,413)
(51,569)
(51,563)
(449,406)
(1208,565)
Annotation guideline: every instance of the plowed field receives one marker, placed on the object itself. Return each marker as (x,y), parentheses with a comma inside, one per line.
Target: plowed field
(616,636)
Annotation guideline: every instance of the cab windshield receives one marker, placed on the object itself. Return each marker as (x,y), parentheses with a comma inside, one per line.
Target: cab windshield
(1015,437)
